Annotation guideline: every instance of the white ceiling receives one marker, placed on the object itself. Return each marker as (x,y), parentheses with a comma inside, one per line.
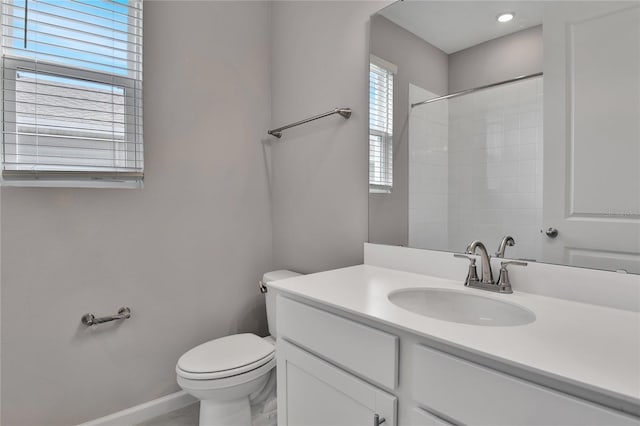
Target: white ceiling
(456,25)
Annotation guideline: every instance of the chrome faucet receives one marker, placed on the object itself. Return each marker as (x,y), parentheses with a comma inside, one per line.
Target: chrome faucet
(503,285)
(485,260)
(507,240)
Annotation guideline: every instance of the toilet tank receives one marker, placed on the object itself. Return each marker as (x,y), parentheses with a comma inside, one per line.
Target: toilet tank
(270,300)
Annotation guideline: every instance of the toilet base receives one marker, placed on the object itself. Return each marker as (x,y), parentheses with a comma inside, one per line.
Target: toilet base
(226,402)
(227,413)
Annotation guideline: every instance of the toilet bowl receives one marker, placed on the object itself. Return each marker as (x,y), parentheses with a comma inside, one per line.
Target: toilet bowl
(228,373)
(224,373)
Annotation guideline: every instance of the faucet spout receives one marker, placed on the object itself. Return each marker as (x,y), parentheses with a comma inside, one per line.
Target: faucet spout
(485,259)
(507,240)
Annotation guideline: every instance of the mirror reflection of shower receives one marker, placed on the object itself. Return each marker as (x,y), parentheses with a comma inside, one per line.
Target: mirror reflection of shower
(475,166)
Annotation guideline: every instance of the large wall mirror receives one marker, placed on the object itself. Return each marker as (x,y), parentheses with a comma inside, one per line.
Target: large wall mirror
(518,118)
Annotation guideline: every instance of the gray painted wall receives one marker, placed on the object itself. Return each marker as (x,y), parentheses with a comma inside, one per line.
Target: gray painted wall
(320,61)
(421,64)
(185,253)
(497,60)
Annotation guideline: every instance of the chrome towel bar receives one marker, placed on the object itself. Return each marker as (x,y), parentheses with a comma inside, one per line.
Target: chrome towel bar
(90,319)
(343,112)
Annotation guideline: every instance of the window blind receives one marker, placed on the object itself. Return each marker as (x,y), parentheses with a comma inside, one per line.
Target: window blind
(380,128)
(72,89)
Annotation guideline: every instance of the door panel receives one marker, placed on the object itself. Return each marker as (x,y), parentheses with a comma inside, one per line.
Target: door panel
(592,134)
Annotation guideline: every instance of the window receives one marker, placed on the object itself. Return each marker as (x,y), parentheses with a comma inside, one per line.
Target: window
(72,91)
(380,125)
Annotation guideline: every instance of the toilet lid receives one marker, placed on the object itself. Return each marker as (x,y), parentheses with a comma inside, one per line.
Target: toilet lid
(227,353)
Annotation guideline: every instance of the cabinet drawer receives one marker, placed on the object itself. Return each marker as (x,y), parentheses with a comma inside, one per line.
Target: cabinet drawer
(471,394)
(366,351)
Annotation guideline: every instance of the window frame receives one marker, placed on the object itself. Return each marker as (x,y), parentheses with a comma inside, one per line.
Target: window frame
(386,139)
(121,175)
(13,66)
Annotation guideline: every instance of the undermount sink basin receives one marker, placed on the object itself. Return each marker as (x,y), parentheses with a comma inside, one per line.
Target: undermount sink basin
(461,307)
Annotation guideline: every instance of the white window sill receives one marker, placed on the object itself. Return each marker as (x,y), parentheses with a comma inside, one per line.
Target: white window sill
(62,183)
(379,191)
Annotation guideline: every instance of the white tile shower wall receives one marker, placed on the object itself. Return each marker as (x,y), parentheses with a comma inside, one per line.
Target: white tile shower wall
(428,172)
(495,167)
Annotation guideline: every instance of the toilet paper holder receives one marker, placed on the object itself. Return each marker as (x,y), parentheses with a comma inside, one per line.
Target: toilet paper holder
(90,319)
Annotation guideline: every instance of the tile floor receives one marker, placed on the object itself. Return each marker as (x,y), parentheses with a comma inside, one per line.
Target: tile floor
(187,416)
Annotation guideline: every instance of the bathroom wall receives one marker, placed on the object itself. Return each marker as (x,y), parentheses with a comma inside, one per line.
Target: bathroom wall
(320,170)
(188,269)
(421,64)
(320,61)
(495,60)
(186,252)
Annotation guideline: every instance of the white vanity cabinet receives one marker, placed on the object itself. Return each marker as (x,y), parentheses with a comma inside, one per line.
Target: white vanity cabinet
(322,361)
(334,371)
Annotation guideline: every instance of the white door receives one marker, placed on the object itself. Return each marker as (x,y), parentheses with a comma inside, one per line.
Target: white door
(312,392)
(592,134)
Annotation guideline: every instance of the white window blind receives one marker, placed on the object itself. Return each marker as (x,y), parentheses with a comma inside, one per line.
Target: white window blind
(72,90)
(380,127)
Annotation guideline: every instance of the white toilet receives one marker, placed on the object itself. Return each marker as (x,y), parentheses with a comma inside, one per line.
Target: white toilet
(229,373)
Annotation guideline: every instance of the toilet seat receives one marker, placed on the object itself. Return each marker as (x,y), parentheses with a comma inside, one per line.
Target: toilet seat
(225,357)
(201,383)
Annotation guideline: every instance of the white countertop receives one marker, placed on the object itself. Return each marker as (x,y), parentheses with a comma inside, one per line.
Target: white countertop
(587,347)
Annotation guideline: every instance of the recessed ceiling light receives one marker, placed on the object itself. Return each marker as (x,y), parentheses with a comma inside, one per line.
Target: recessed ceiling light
(506,17)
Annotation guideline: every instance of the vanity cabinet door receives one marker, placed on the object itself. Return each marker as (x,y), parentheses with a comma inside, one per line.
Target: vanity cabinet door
(312,392)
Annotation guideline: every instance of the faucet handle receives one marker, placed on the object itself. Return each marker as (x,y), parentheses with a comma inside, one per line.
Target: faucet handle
(465,256)
(503,279)
(472,275)
(512,262)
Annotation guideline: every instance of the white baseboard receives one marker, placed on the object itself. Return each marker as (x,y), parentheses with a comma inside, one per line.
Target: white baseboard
(146,411)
